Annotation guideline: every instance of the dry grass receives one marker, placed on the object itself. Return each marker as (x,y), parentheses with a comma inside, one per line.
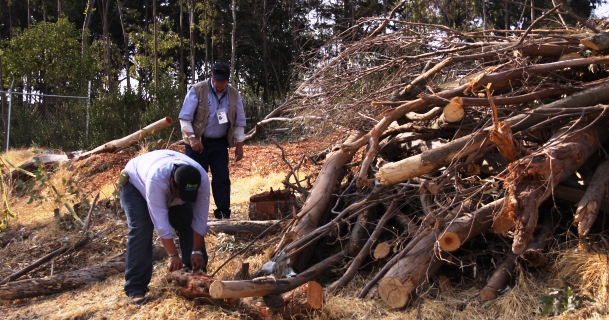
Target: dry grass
(584,270)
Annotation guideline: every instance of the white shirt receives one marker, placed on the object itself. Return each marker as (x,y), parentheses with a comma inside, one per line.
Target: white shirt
(150,174)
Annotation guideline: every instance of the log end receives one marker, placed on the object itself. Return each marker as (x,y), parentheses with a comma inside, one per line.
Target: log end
(449,241)
(590,44)
(488,293)
(315,295)
(381,251)
(216,289)
(395,293)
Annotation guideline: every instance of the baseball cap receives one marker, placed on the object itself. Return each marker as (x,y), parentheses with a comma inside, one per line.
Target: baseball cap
(220,71)
(187,180)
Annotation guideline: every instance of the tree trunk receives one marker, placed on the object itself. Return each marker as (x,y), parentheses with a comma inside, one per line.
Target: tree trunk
(315,207)
(126,44)
(85,25)
(233,53)
(181,74)
(69,280)
(191,19)
(156,50)
(130,139)
(531,180)
(409,273)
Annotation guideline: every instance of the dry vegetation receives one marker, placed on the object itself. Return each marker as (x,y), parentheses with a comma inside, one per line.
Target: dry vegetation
(536,90)
(41,232)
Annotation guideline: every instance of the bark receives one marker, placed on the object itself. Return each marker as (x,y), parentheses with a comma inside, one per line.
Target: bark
(129,140)
(246,226)
(316,205)
(588,206)
(126,43)
(69,280)
(531,180)
(395,172)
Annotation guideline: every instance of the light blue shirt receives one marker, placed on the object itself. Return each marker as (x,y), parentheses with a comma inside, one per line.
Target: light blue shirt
(215,103)
(150,173)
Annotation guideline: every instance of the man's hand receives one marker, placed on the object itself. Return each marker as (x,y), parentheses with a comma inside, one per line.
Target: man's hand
(175,263)
(239,151)
(197,262)
(195,144)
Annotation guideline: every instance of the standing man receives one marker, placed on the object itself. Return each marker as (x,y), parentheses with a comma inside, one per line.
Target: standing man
(163,190)
(212,120)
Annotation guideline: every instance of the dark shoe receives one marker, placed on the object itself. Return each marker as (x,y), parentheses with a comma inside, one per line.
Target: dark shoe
(219,214)
(138,299)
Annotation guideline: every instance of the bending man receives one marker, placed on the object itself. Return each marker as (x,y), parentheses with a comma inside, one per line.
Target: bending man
(163,190)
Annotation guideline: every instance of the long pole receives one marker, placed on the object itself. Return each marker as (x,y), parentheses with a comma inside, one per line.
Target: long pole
(8,121)
(87,120)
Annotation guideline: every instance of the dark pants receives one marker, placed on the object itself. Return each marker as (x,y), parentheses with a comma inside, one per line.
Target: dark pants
(138,264)
(214,159)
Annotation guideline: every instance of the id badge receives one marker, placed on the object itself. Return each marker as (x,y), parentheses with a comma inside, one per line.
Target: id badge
(222,117)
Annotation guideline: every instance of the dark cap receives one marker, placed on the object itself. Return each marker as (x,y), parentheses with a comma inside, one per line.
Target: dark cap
(220,71)
(187,179)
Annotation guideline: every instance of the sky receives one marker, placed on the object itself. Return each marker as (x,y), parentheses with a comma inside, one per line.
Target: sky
(602,11)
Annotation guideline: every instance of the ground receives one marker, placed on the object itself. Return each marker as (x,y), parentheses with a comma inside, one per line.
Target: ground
(44,225)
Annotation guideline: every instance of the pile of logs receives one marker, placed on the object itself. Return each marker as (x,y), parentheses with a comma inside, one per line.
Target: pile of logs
(476,139)
(490,155)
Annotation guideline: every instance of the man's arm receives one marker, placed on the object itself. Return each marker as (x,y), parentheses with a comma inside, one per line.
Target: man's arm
(186,117)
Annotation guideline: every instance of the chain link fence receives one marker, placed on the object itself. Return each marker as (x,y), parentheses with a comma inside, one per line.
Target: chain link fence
(49,121)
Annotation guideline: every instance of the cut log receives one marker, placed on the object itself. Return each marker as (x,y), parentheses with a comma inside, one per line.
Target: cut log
(131,139)
(382,250)
(302,300)
(531,180)
(409,273)
(269,285)
(246,226)
(462,229)
(597,42)
(69,280)
(452,112)
(588,206)
(395,172)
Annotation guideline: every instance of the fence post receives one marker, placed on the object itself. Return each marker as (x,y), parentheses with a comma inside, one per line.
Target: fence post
(87,121)
(8,118)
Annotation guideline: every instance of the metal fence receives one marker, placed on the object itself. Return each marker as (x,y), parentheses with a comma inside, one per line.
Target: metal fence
(50,121)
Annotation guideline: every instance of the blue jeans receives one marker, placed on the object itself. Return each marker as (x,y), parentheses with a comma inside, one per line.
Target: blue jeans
(138,263)
(214,159)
